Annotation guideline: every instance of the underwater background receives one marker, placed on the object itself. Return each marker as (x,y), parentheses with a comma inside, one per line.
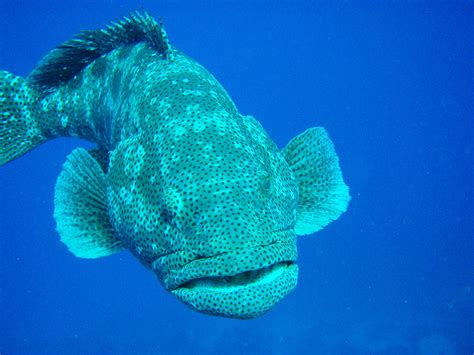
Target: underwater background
(391,81)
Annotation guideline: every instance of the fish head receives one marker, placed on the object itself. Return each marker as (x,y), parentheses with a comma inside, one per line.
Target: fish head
(212,213)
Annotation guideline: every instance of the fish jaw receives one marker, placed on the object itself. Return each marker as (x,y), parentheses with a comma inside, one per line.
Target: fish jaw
(238,284)
(265,288)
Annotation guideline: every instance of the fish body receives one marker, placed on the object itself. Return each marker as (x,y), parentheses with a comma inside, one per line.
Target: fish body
(196,191)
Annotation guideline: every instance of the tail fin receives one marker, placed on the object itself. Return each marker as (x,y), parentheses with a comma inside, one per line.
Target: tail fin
(20,129)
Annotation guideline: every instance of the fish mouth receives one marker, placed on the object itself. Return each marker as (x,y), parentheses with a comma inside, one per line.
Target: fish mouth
(244,290)
(246,278)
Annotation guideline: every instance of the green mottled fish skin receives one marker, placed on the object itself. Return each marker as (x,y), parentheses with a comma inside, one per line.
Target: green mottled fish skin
(196,191)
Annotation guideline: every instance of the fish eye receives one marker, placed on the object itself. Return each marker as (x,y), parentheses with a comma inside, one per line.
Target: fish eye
(265,184)
(167,216)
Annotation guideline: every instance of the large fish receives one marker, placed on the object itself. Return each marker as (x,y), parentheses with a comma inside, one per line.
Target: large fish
(196,191)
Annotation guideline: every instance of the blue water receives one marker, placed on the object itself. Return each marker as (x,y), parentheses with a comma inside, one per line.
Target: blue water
(392,82)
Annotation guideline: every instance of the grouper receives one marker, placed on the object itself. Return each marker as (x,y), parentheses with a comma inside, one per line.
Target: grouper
(196,191)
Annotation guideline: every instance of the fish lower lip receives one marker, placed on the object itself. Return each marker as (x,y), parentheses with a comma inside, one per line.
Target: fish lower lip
(247,278)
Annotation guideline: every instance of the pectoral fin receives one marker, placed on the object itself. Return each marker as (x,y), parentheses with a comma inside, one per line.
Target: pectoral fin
(323,195)
(80,208)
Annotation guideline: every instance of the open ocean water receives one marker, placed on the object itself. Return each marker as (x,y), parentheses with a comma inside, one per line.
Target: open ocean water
(391,81)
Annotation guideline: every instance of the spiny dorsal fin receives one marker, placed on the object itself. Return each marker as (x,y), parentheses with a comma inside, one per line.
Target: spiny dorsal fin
(64,62)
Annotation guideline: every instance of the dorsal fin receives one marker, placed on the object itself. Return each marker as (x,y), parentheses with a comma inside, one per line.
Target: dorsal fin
(64,62)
